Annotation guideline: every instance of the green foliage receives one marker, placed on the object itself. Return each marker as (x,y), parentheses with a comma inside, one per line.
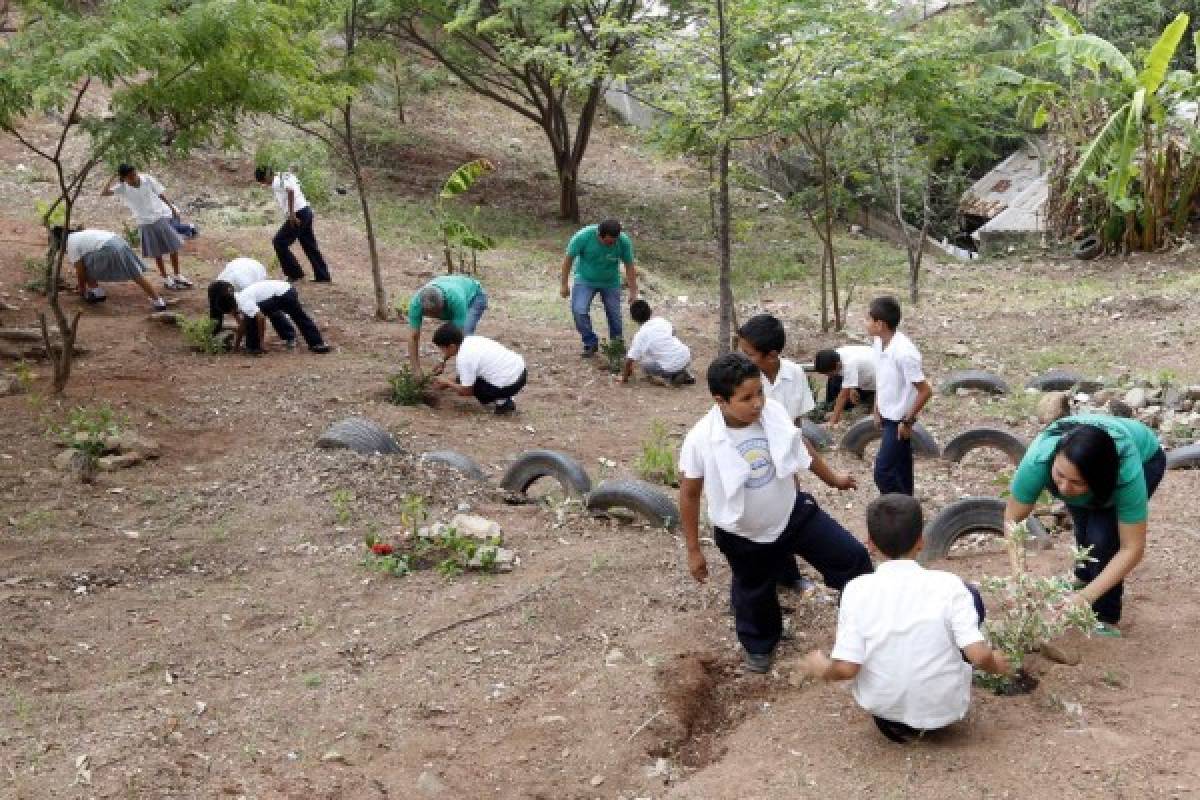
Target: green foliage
(458,238)
(50,214)
(613,351)
(342,500)
(133,235)
(306,158)
(35,274)
(406,388)
(200,335)
(86,429)
(657,460)
(413,512)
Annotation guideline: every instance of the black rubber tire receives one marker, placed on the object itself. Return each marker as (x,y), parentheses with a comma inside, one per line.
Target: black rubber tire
(1055,380)
(360,435)
(1088,247)
(974,438)
(860,434)
(636,495)
(968,515)
(817,435)
(456,461)
(1186,457)
(534,464)
(973,379)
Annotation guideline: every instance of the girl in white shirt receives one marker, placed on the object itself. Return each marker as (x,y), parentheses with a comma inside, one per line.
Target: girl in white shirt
(152,211)
(103,256)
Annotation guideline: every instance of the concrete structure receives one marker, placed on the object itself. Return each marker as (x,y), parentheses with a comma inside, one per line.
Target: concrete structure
(1006,207)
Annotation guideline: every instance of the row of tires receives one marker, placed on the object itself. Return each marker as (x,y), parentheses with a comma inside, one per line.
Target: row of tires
(1055,380)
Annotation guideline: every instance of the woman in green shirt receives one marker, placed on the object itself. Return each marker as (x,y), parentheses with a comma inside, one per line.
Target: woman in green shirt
(1105,469)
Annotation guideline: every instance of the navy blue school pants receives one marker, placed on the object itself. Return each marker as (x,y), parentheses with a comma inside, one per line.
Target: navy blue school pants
(486,393)
(287,304)
(894,462)
(1098,528)
(811,534)
(287,234)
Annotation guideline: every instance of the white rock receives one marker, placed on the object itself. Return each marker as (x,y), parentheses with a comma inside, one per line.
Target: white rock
(475,526)
(1136,398)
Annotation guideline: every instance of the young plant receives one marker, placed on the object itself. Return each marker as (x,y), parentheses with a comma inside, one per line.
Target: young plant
(341,500)
(657,461)
(87,429)
(406,388)
(200,335)
(614,354)
(458,238)
(413,512)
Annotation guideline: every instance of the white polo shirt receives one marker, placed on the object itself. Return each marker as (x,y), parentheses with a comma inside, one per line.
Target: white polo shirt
(84,243)
(480,357)
(897,368)
(655,343)
(143,200)
(858,367)
(790,389)
(905,625)
(280,185)
(249,298)
(241,272)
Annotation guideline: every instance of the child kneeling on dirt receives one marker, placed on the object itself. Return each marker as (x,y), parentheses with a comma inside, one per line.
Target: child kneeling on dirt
(487,370)
(266,298)
(663,358)
(906,633)
(744,456)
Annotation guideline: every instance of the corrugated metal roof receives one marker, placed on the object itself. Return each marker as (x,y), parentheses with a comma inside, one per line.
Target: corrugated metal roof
(1025,214)
(994,192)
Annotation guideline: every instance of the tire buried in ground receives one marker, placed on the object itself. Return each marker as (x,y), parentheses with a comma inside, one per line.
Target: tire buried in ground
(973,379)
(534,464)
(862,433)
(969,515)
(360,435)
(975,438)
(639,496)
(1186,457)
(1055,380)
(456,461)
(817,435)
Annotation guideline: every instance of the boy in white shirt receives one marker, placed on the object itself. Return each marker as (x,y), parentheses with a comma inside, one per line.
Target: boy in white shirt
(663,358)
(258,300)
(744,456)
(152,211)
(239,274)
(486,369)
(297,224)
(905,633)
(901,391)
(762,339)
(850,373)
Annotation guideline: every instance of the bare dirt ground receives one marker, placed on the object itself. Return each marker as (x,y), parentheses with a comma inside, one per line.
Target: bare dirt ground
(201,626)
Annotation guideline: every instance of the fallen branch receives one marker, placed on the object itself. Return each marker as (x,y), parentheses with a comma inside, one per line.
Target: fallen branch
(424,637)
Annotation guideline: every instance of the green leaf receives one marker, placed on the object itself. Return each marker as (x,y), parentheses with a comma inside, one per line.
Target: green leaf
(463,178)
(1094,155)
(1066,20)
(1160,55)
(1089,50)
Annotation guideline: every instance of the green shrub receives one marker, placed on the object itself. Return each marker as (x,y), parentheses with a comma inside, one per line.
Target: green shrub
(306,159)
(614,354)
(406,388)
(200,335)
(87,428)
(132,235)
(657,461)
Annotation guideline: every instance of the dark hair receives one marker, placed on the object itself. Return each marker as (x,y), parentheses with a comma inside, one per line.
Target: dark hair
(640,311)
(124,169)
(58,235)
(894,523)
(447,334)
(261,173)
(728,372)
(226,303)
(764,332)
(1094,454)
(827,361)
(217,290)
(885,309)
(609,227)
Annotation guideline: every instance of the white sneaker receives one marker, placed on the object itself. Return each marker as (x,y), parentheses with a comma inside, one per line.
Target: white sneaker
(158,304)
(182,282)
(171,283)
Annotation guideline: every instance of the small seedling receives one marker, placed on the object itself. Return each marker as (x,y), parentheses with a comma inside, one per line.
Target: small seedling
(613,351)
(313,680)
(1113,679)
(657,461)
(413,512)
(406,388)
(35,275)
(200,333)
(341,500)
(132,235)
(24,375)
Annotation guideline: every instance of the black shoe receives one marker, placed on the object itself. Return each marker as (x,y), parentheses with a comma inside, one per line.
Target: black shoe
(507,407)
(589,351)
(322,280)
(803,584)
(898,732)
(319,348)
(258,352)
(759,663)
(682,378)
(295,279)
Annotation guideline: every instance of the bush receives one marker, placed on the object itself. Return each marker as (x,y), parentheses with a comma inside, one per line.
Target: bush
(201,335)
(614,354)
(657,461)
(306,159)
(87,429)
(406,388)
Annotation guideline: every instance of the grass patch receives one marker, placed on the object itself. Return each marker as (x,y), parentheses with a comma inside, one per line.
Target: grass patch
(657,460)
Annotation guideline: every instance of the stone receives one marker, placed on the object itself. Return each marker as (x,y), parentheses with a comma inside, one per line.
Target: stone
(334,757)
(1052,406)
(1193,393)
(958,350)
(119,461)
(430,785)
(166,317)
(66,459)
(1137,398)
(503,559)
(475,526)
(1173,399)
(597,780)
(132,442)
(1119,408)
(614,657)
(1151,415)
(10,385)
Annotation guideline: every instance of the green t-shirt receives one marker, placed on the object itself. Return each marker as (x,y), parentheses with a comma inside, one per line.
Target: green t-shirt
(458,291)
(1136,444)
(597,264)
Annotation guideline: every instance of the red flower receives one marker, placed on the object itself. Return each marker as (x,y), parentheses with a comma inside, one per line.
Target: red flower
(381,549)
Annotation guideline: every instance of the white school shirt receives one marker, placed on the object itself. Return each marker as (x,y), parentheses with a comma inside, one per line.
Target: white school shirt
(897,368)
(481,357)
(858,367)
(242,272)
(280,185)
(143,200)
(905,625)
(711,452)
(655,343)
(84,243)
(249,298)
(790,388)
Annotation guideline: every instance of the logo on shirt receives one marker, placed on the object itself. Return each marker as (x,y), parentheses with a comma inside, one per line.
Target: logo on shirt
(762,468)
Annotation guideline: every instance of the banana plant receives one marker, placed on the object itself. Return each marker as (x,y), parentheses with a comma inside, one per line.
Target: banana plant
(459,238)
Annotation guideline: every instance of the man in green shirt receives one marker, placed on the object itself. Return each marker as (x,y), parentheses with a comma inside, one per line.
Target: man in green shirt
(597,253)
(449,298)
(1105,469)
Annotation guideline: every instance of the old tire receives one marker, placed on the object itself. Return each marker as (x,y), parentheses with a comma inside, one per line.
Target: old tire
(360,435)
(968,515)
(534,464)
(817,435)
(457,462)
(1186,457)
(638,496)
(1055,380)
(1089,247)
(860,434)
(973,379)
(975,438)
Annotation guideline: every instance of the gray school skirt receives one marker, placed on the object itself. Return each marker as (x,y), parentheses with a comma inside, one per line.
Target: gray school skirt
(115,261)
(159,238)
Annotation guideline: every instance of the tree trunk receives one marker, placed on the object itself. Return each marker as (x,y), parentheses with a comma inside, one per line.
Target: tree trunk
(827,222)
(62,359)
(568,191)
(381,307)
(725,269)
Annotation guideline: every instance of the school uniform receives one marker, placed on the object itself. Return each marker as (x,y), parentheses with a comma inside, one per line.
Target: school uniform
(659,352)
(153,216)
(241,273)
(790,389)
(897,368)
(759,517)
(858,372)
(106,256)
(269,297)
(288,233)
(494,373)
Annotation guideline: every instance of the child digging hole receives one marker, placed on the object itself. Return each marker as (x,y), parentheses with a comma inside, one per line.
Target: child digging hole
(487,370)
